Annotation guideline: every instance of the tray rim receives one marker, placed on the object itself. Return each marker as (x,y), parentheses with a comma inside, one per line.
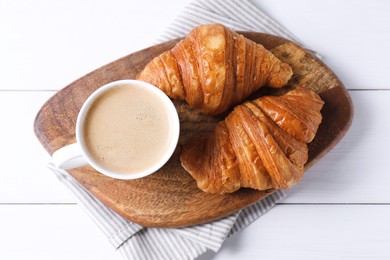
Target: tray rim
(331,146)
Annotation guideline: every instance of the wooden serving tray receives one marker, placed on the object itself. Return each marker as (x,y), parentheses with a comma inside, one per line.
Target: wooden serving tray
(170,197)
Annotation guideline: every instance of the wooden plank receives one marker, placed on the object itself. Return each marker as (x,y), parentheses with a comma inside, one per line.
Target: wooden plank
(299,232)
(46,232)
(77,40)
(24,177)
(47,60)
(357,170)
(286,232)
(342,35)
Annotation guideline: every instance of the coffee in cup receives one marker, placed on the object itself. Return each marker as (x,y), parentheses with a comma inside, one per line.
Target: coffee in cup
(126,129)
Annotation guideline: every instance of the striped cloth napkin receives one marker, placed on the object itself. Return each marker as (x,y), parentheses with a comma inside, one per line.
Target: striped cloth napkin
(136,242)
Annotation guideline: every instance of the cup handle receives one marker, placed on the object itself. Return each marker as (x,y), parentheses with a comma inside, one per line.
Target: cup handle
(68,157)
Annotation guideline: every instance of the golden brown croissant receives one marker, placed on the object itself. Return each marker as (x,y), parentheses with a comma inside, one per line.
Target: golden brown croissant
(260,145)
(214,68)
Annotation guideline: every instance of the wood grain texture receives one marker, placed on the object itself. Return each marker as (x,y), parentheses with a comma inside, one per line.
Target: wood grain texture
(306,232)
(356,170)
(60,232)
(293,232)
(170,198)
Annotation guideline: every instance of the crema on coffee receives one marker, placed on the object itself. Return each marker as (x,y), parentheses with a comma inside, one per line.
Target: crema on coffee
(127,129)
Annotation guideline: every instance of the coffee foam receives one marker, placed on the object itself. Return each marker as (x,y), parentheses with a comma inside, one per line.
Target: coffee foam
(127,129)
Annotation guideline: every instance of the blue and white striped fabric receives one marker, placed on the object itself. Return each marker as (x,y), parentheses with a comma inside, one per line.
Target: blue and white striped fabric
(136,242)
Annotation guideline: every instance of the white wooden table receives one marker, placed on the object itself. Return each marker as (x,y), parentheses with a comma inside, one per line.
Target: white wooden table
(340,210)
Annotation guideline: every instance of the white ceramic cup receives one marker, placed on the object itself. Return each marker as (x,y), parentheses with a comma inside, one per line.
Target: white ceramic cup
(76,155)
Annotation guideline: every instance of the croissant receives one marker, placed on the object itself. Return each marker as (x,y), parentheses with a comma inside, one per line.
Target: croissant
(262,144)
(214,68)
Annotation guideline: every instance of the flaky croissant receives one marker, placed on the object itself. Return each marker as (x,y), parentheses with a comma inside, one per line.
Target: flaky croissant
(262,144)
(213,68)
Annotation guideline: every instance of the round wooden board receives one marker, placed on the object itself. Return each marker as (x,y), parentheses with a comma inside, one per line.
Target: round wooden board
(170,197)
